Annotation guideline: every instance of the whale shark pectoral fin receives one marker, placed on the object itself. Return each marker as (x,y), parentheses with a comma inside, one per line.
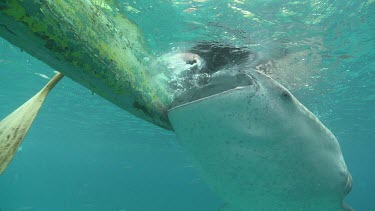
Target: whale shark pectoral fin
(14,127)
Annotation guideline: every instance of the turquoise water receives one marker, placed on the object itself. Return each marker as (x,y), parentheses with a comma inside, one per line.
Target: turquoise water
(83,153)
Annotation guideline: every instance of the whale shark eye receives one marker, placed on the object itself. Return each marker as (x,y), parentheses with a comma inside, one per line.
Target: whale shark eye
(286,95)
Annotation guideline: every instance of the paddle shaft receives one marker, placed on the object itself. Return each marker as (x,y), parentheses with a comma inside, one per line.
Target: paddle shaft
(51,84)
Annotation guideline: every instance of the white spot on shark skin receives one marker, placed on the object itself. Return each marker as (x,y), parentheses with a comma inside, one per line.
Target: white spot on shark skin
(259,148)
(42,75)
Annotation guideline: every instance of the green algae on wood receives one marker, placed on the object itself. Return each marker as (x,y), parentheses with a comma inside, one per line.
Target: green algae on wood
(94,45)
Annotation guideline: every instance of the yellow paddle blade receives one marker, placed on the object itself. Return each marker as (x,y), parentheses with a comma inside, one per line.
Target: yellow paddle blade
(15,126)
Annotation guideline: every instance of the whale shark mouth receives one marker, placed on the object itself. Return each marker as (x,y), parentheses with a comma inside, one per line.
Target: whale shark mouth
(207,69)
(216,83)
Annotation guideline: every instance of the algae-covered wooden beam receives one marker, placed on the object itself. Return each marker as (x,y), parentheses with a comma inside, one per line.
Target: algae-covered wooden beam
(93,44)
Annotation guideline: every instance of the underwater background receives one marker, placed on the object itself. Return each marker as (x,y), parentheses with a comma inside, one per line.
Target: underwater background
(83,153)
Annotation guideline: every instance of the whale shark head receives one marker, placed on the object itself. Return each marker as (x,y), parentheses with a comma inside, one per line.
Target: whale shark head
(257,146)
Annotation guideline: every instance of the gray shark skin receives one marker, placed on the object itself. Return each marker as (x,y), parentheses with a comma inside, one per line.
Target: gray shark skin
(259,148)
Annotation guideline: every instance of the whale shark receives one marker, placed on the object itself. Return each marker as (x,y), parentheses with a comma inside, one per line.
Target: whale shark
(259,148)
